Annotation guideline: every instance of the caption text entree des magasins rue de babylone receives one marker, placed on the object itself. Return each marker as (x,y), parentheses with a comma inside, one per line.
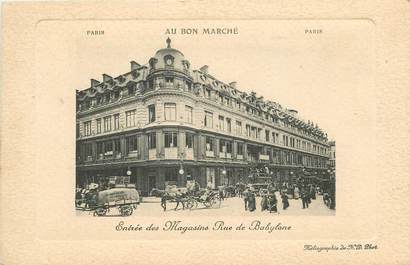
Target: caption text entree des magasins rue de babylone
(179,226)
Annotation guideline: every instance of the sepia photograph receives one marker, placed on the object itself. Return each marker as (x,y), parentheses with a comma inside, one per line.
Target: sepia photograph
(167,136)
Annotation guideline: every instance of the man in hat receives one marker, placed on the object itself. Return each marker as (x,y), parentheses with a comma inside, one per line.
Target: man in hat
(305,198)
(245,195)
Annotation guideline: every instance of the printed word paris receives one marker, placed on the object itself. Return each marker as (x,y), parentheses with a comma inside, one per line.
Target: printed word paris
(94,32)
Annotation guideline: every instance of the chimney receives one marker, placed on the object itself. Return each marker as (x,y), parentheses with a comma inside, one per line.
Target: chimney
(106,77)
(94,82)
(233,84)
(134,65)
(204,69)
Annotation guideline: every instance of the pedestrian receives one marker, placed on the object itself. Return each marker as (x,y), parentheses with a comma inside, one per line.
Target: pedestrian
(308,198)
(272,202)
(264,200)
(296,193)
(305,196)
(245,196)
(221,192)
(251,201)
(164,198)
(285,201)
(312,192)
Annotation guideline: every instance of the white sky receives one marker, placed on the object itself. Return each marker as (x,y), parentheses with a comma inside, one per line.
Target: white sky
(321,76)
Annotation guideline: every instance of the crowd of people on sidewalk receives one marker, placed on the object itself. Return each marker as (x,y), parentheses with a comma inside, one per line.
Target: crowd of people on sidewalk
(305,192)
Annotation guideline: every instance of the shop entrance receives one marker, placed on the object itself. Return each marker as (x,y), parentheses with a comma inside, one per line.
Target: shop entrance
(152,183)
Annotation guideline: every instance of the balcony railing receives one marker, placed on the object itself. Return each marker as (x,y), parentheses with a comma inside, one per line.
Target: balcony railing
(152,154)
(210,153)
(189,154)
(263,157)
(225,155)
(133,154)
(171,153)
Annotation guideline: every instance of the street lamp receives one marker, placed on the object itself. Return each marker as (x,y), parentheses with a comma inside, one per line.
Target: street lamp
(129,172)
(181,170)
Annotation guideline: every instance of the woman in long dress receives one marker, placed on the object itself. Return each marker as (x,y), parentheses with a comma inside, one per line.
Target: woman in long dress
(297,193)
(285,201)
(251,201)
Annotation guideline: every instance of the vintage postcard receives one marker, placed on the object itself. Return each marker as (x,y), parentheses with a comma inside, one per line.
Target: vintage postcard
(253,140)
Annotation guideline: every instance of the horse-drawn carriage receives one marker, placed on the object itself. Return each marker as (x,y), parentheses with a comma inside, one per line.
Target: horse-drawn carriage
(209,198)
(188,197)
(100,202)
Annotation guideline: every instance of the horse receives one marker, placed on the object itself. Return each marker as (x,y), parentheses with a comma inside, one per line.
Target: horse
(166,196)
(229,191)
(239,189)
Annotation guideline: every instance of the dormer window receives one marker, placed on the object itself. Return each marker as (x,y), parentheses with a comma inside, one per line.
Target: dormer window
(153,62)
(169,60)
(186,65)
(131,90)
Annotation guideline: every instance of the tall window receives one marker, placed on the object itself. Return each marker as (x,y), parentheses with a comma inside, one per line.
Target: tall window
(151,113)
(275,137)
(208,119)
(228,125)
(170,111)
(267,134)
(87,128)
(229,147)
(130,118)
(100,150)
(188,114)
(108,148)
(248,130)
(116,121)
(221,123)
(117,146)
(222,146)
(240,149)
(107,124)
(88,151)
(171,139)
(238,127)
(152,140)
(259,133)
(132,144)
(254,132)
(189,140)
(209,143)
(98,125)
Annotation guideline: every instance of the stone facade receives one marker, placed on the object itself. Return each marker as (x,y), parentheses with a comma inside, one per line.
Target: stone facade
(162,117)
